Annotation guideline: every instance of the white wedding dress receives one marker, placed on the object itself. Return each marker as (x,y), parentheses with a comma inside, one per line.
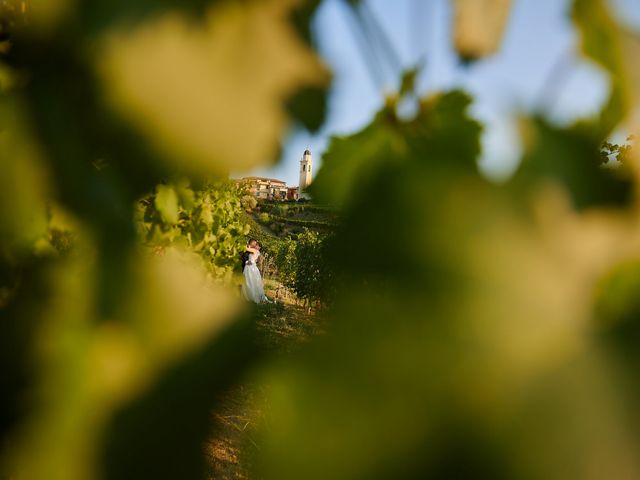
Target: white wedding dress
(253,289)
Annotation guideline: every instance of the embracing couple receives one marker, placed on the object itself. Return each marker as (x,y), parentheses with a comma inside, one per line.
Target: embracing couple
(252,289)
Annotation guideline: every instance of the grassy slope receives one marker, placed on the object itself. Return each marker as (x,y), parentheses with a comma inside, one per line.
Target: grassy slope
(286,218)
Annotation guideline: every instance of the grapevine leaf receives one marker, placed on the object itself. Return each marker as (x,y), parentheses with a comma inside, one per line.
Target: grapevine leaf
(185,194)
(194,90)
(309,107)
(350,162)
(442,132)
(23,183)
(166,202)
(572,158)
(206,215)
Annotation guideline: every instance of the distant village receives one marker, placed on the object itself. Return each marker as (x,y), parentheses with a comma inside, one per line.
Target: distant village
(273,189)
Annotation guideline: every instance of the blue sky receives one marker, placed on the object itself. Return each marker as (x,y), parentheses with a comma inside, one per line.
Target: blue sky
(539,50)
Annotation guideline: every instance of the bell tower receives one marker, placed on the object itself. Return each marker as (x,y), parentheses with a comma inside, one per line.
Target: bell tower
(305,170)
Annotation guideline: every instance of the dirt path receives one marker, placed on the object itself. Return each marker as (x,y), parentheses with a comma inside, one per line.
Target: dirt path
(282,327)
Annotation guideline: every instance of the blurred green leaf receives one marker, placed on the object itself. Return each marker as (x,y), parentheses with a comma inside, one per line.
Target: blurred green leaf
(166,202)
(618,309)
(408,81)
(454,309)
(210,104)
(350,161)
(442,133)
(572,158)
(309,106)
(601,40)
(161,433)
(98,15)
(185,194)
(24,183)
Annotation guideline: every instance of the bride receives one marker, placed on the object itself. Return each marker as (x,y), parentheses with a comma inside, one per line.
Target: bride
(252,289)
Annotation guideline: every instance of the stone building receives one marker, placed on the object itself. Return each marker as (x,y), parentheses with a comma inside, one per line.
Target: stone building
(266,188)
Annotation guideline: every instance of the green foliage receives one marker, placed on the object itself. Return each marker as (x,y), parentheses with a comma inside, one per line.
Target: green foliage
(608,44)
(580,169)
(249,202)
(302,265)
(287,262)
(256,231)
(312,280)
(295,208)
(304,223)
(291,218)
(207,221)
(166,203)
(309,105)
(444,137)
(617,154)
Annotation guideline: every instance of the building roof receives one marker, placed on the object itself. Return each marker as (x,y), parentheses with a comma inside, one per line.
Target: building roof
(307,152)
(264,179)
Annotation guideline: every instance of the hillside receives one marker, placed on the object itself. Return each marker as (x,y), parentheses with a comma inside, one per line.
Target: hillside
(284,219)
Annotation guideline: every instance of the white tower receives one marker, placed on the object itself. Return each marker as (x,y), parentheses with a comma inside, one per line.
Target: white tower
(305,171)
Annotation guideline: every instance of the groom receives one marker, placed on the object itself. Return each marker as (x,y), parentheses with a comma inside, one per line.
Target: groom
(252,243)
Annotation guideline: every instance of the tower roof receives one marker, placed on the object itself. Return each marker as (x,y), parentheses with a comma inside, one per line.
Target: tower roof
(307,152)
